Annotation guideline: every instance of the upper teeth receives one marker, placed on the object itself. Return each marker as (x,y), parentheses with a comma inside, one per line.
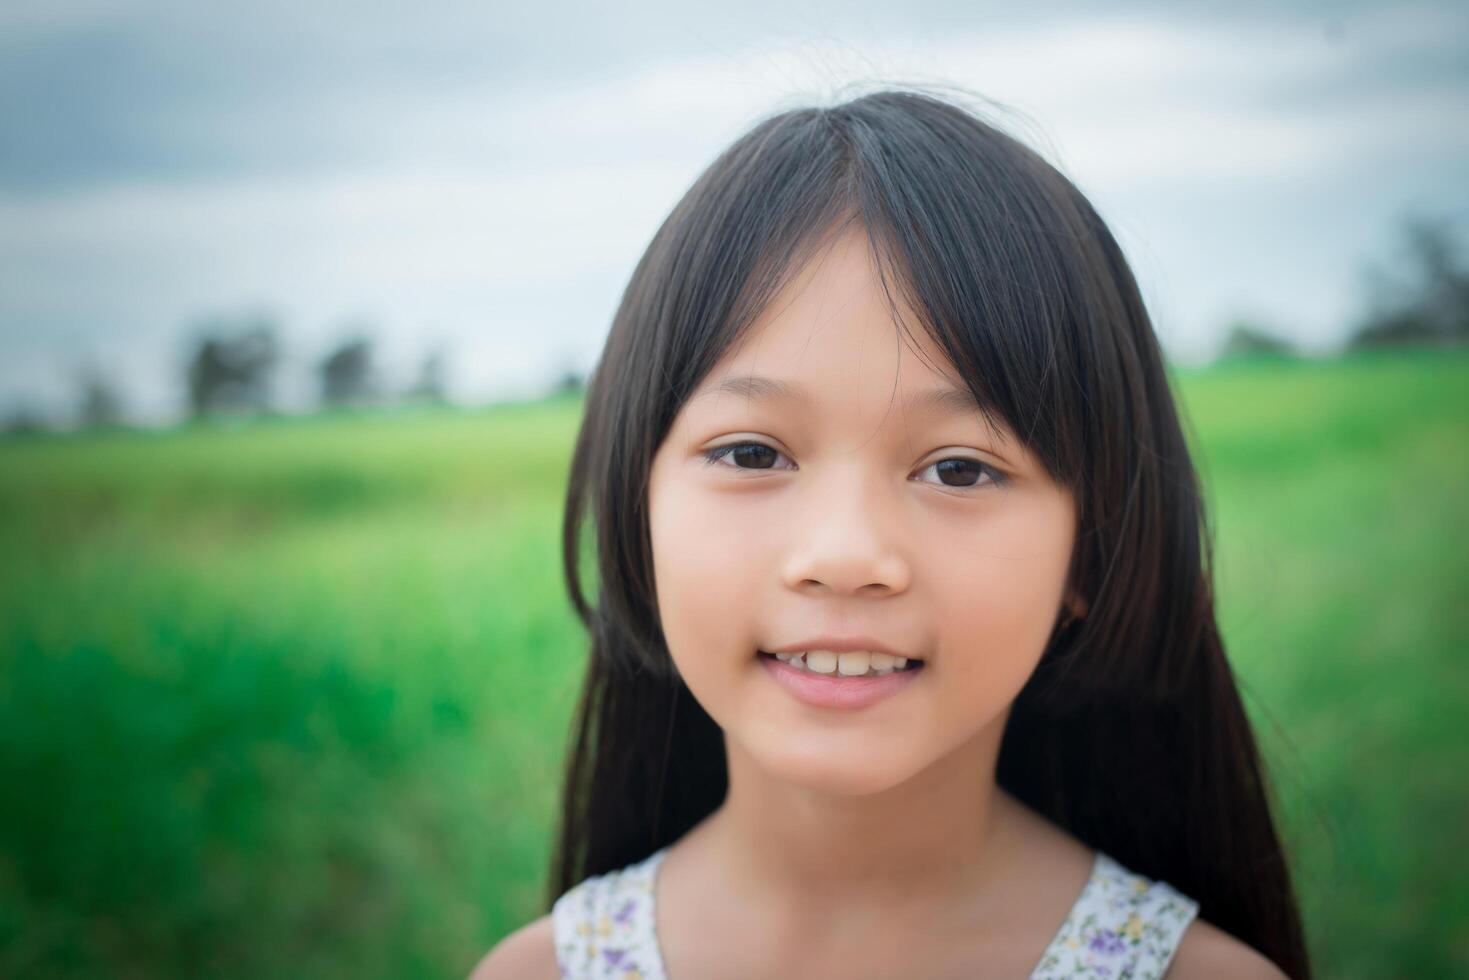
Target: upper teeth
(851,664)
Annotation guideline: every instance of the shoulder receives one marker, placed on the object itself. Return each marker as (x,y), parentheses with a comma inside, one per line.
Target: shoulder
(1208,951)
(529,952)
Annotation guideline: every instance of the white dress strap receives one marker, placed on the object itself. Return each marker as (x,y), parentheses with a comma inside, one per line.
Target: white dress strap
(1122,926)
(604,926)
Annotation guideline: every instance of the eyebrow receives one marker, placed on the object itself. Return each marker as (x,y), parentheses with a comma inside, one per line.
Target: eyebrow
(948,400)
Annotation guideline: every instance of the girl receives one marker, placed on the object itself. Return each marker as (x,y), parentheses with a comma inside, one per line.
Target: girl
(904,660)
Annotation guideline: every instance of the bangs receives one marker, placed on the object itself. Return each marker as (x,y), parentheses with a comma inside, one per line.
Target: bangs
(983,244)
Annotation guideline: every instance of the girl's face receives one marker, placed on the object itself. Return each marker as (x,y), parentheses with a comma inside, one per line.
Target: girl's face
(844,525)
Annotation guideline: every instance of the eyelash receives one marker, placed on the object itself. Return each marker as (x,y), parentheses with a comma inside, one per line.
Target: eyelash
(997,478)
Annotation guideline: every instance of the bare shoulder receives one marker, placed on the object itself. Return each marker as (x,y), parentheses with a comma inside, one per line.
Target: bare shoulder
(528,952)
(1207,951)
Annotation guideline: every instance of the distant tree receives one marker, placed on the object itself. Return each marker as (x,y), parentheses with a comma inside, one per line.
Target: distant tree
(429,386)
(99,404)
(1247,338)
(22,420)
(568,380)
(568,383)
(230,368)
(347,374)
(1429,305)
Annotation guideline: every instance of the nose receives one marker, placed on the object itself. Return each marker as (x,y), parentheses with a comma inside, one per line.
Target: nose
(851,541)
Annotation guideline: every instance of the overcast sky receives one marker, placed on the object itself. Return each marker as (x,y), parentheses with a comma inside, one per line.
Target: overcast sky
(483,177)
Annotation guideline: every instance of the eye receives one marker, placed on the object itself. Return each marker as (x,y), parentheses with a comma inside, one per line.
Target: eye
(966,473)
(761,455)
(957,472)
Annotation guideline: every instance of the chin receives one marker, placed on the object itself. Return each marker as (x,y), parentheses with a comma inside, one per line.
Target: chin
(843,770)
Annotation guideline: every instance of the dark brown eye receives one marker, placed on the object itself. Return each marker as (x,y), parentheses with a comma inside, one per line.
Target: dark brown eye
(966,474)
(745,455)
(958,472)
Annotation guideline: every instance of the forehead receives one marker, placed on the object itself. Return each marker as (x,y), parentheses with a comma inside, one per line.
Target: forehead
(831,335)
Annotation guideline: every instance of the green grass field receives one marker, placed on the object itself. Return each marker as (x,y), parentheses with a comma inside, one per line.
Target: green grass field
(291,699)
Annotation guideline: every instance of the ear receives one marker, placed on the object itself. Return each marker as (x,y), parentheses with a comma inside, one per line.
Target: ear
(1073,607)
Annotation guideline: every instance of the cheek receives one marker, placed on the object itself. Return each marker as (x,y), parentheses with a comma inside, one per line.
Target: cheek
(706,578)
(1000,592)
(690,535)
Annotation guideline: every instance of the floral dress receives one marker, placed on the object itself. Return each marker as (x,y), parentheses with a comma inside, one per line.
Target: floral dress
(1121,927)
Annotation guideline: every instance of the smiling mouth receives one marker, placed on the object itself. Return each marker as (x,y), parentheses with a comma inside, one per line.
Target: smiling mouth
(824,663)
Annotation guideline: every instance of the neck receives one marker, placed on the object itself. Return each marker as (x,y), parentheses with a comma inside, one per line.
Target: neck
(933,838)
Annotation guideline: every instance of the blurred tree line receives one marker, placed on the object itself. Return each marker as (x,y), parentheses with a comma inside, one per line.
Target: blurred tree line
(232,364)
(231,370)
(1420,299)
(1430,304)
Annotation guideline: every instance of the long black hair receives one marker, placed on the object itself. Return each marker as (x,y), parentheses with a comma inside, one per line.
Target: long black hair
(1131,733)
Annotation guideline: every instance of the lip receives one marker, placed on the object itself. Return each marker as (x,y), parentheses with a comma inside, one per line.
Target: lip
(832,691)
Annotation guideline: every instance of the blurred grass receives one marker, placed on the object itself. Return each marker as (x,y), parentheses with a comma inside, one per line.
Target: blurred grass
(291,700)
(1340,495)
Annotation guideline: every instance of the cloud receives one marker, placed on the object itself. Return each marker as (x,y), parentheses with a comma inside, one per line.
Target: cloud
(493,181)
